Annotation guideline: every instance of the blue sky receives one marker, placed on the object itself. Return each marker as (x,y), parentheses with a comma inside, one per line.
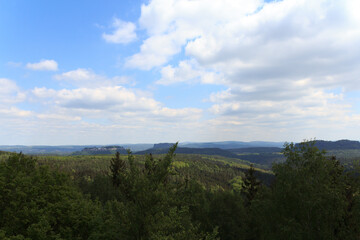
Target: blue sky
(110,72)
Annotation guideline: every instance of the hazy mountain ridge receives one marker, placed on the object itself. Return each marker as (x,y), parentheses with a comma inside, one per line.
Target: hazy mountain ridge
(231,144)
(66,149)
(230,148)
(185,150)
(43,149)
(256,150)
(101,150)
(337,145)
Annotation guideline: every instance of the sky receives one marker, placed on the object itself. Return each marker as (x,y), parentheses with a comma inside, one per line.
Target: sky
(136,71)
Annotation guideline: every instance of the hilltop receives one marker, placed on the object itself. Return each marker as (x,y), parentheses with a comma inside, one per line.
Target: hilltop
(101,150)
(337,145)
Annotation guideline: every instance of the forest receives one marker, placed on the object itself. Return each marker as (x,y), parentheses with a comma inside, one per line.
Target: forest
(309,195)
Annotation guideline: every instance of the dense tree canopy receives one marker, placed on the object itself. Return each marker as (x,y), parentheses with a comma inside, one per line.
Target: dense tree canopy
(309,198)
(38,203)
(312,197)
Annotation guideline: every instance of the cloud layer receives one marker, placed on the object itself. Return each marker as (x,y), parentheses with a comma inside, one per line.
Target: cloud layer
(281,61)
(278,70)
(86,77)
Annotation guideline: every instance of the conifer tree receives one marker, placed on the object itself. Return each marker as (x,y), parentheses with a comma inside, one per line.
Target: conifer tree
(117,167)
(250,185)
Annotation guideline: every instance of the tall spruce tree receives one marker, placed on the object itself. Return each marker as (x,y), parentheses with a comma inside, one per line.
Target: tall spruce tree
(117,167)
(250,185)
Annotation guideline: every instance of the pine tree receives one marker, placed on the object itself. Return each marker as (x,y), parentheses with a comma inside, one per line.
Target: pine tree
(250,185)
(117,166)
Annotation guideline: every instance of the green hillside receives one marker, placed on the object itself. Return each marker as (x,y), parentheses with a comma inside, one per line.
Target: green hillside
(178,196)
(211,171)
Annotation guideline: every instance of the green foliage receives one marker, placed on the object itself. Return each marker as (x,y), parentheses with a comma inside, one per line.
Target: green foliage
(117,167)
(37,203)
(180,164)
(146,206)
(227,211)
(237,183)
(250,185)
(213,172)
(175,224)
(196,197)
(308,198)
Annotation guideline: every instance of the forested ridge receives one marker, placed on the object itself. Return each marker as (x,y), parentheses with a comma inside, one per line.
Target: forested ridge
(308,196)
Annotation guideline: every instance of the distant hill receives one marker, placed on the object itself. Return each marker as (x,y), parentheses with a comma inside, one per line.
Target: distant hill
(232,149)
(101,150)
(64,150)
(257,150)
(163,145)
(232,144)
(137,146)
(263,156)
(205,151)
(39,149)
(337,145)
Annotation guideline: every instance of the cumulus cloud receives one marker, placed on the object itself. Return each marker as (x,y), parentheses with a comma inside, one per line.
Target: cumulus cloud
(172,24)
(96,98)
(10,95)
(7,86)
(14,112)
(314,103)
(250,39)
(188,71)
(281,61)
(101,99)
(124,32)
(112,102)
(10,92)
(79,74)
(61,117)
(43,65)
(103,114)
(86,77)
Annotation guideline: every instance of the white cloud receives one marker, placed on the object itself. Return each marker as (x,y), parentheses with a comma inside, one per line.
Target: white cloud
(79,74)
(169,114)
(54,116)
(10,92)
(156,51)
(10,95)
(7,86)
(313,103)
(43,65)
(124,32)
(14,112)
(281,61)
(102,114)
(188,72)
(171,24)
(44,92)
(87,78)
(97,98)
(112,103)
(252,40)
(285,39)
